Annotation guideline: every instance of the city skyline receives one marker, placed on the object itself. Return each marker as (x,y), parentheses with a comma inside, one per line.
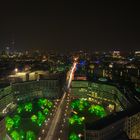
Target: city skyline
(69,70)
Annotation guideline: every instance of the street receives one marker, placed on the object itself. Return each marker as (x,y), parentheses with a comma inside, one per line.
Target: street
(56,127)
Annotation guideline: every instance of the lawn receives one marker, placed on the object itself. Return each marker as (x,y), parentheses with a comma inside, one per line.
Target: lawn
(83,111)
(25,122)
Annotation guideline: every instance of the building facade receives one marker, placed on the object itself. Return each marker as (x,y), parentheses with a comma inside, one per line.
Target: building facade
(33,89)
(106,133)
(99,91)
(6,97)
(113,126)
(2,128)
(28,91)
(132,126)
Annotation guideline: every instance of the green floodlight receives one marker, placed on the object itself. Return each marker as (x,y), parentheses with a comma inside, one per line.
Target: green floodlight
(17,120)
(20,109)
(80,104)
(49,104)
(41,118)
(46,111)
(42,102)
(9,123)
(28,107)
(71,121)
(74,136)
(30,135)
(34,118)
(97,110)
(15,135)
(22,135)
(75,119)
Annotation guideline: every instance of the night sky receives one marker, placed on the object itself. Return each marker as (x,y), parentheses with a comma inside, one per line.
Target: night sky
(67,26)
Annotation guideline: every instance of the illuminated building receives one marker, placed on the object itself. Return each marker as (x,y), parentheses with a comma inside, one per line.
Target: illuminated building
(6,97)
(7,50)
(137,54)
(104,129)
(11,94)
(33,89)
(28,91)
(132,126)
(2,128)
(125,123)
(124,119)
(26,75)
(106,92)
(116,54)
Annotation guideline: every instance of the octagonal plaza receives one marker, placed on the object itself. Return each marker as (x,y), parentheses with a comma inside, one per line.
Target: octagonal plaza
(99,92)
(123,118)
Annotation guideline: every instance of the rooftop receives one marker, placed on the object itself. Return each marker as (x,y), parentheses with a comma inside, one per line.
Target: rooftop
(1,118)
(104,122)
(3,85)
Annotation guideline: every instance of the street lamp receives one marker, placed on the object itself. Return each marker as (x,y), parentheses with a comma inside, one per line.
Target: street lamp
(16,70)
(43,131)
(80,135)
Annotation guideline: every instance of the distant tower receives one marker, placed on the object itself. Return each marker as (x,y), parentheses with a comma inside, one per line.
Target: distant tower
(13,45)
(90,72)
(7,50)
(12,42)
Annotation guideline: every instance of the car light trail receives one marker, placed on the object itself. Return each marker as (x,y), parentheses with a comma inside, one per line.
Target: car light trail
(72,73)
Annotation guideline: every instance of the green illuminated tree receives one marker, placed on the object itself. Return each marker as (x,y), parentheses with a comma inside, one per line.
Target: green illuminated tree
(81,107)
(86,103)
(20,109)
(71,120)
(41,118)
(97,110)
(92,109)
(9,123)
(34,118)
(74,136)
(49,104)
(17,120)
(28,107)
(22,135)
(75,119)
(80,120)
(79,104)
(46,111)
(30,135)
(15,135)
(42,102)
(45,103)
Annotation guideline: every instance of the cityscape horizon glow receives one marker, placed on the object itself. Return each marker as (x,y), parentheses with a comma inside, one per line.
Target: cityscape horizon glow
(69,70)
